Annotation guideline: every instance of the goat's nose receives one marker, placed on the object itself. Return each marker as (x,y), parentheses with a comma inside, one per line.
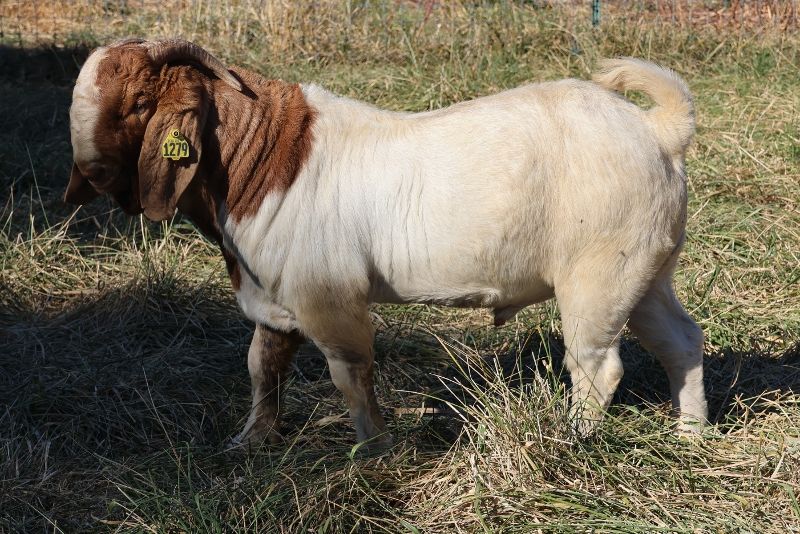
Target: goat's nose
(90,169)
(98,174)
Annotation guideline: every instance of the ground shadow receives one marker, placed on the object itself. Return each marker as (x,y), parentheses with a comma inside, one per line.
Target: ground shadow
(736,381)
(158,366)
(111,378)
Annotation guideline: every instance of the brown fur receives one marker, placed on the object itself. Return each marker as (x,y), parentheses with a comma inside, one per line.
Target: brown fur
(182,104)
(125,78)
(243,145)
(274,350)
(264,139)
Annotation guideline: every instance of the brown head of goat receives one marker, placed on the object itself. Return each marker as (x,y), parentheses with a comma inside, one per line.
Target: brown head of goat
(244,138)
(246,135)
(126,97)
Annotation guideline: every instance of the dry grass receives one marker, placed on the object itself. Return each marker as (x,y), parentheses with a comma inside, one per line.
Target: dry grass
(122,352)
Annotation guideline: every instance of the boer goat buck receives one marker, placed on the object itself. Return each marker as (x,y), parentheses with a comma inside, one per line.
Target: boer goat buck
(322,205)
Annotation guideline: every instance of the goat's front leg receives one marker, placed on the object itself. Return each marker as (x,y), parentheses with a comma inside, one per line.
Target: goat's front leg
(346,340)
(268,359)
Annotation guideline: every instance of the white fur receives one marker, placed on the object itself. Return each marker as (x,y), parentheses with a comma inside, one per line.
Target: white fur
(486,203)
(555,189)
(85,110)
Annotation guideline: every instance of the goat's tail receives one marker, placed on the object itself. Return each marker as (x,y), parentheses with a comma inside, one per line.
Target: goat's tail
(672,118)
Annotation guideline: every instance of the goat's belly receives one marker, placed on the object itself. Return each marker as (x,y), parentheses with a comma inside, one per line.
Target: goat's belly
(499,297)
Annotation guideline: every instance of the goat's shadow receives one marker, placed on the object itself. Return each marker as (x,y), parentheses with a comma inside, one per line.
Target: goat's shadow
(131,375)
(736,381)
(35,94)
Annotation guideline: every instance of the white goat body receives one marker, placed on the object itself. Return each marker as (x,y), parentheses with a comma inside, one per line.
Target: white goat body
(322,205)
(487,203)
(560,188)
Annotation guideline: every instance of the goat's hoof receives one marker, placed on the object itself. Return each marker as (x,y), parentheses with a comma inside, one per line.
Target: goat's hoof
(254,439)
(586,428)
(586,423)
(374,446)
(689,427)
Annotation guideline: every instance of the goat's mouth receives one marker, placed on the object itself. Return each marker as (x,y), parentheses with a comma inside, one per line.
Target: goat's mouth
(125,191)
(105,179)
(128,201)
(104,185)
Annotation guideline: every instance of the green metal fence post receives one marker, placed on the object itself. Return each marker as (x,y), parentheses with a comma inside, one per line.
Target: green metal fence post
(595,12)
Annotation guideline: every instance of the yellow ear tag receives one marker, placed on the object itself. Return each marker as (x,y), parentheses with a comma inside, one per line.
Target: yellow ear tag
(175,146)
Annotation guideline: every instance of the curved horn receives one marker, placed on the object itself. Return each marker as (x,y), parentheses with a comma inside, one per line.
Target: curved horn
(131,40)
(162,52)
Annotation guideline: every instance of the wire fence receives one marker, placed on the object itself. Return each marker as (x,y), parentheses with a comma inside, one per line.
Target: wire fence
(30,22)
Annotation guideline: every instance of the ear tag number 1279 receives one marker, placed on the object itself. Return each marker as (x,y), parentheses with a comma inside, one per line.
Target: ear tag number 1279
(175,146)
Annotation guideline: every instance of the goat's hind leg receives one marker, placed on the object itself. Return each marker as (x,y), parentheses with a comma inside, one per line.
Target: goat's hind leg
(592,358)
(665,329)
(268,359)
(595,302)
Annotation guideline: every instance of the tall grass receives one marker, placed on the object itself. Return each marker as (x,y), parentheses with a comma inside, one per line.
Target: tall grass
(122,352)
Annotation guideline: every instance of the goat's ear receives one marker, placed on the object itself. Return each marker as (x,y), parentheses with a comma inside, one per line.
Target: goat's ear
(79,191)
(162,181)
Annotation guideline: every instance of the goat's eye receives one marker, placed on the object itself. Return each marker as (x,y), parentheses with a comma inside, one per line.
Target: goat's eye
(140,107)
